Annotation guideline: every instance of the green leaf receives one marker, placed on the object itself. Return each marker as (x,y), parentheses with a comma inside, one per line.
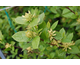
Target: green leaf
(48,24)
(60,53)
(70,36)
(64,37)
(74,50)
(39,30)
(58,36)
(24,45)
(12,43)
(41,17)
(1,36)
(62,32)
(35,42)
(77,27)
(43,25)
(35,11)
(75,57)
(77,42)
(66,40)
(74,24)
(34,22)
(20,36)
(70,15)
(52,55)
(53,9)
(12,48)
(1,21)
(20,20)
(16,51)
(54,25)
(65,11)
(56,15)
(44,34)
(41,48)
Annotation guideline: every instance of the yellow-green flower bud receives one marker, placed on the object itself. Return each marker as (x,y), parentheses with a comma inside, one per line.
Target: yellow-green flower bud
(59,41)
(51,38)
(7,45)
(67,45)
(55,43)
(29,28)
(34,34)
(29,49)
(29,33)
(28,16)
(51,34)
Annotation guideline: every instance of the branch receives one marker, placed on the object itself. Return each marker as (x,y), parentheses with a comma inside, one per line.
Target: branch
(70,9)
(18,47)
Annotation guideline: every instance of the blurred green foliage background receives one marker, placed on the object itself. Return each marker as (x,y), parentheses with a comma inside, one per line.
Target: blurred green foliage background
(68,17)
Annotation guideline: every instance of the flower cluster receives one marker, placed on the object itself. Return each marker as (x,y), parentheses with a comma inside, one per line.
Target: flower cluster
(51,34)
(7,45)
(29,49)
(29,27)
(58,43)
(28,16)
(30,34)
(67,45)
(54,42)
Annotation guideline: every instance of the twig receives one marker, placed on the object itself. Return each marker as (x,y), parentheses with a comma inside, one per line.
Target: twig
(18,47)
(70,10)
(78,55)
